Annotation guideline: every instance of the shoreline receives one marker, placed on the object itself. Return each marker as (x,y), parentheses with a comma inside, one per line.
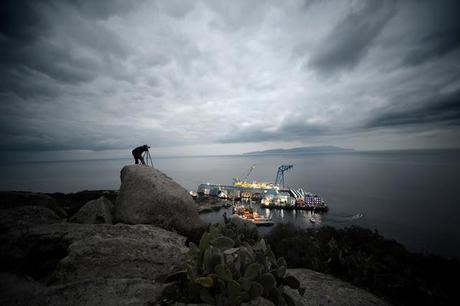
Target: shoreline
(71,202)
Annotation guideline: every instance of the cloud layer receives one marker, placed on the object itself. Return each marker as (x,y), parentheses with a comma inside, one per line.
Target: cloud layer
(113,74)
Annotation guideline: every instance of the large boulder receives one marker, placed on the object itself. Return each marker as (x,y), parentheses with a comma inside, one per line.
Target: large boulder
(10,199)
(323,289)
(94,212)
(148,196)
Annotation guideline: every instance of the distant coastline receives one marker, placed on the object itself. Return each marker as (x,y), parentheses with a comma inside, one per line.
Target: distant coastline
(302,150)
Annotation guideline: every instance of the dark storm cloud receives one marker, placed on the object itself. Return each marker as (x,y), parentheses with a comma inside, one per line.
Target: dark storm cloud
(45,46)
(35,135)
(80,74)
(19,20)
(26,45)
(440,38)
(434,46)
(288,130)
(103,9)
(441,109)
(351,38)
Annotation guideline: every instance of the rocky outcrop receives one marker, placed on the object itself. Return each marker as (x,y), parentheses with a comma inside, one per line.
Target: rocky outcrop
(148,196)
(88,263)
(94,212)
(10,199)
(85,251)
(209,204)
(72,202)
(323,289)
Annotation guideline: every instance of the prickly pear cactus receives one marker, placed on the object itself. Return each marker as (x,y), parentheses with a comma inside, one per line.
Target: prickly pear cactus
(222,272)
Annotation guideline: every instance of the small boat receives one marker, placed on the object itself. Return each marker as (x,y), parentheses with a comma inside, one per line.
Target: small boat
(257,217)
(262,222)
(312,220)
(254,217)
(261,219)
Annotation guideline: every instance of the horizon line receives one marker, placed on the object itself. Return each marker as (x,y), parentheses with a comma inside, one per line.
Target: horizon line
(245,154)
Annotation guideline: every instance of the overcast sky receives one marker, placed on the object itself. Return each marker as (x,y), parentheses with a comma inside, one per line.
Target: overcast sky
(204,77)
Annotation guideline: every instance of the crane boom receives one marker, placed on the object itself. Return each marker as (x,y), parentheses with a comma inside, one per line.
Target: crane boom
(249,172)
(280,174)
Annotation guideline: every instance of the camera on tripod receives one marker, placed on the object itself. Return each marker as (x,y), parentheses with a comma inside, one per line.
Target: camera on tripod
(148,158)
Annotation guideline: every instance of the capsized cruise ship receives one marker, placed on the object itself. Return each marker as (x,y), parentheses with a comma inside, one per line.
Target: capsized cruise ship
(270,195)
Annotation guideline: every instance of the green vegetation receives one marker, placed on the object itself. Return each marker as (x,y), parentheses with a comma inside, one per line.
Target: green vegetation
(357,255)
(234,228)
(364,258)
(231,265)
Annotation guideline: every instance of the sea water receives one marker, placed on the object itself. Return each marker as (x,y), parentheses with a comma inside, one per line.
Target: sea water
(411,196)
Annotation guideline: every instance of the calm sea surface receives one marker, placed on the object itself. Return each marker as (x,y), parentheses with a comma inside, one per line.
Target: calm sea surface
(412,196)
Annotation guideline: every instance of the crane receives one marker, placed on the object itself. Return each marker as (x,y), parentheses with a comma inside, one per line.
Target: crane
(249,172)
(280,174)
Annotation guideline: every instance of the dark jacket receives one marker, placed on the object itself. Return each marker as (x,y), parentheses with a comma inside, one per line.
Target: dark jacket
(139,150)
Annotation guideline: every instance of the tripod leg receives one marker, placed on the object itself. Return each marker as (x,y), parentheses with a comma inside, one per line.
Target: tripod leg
(148,159)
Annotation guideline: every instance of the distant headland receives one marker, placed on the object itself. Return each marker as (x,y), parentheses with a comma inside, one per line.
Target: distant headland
(302,150)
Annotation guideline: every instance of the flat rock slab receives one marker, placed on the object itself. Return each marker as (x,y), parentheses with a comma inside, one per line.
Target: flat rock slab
(148,196)
(121,257)
(16,290)
(68,252)
(323,289)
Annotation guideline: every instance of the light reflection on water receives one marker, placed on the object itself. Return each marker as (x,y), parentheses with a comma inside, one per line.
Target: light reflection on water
(301,218)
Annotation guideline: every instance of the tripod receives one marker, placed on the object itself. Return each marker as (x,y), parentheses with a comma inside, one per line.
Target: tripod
(148,159)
